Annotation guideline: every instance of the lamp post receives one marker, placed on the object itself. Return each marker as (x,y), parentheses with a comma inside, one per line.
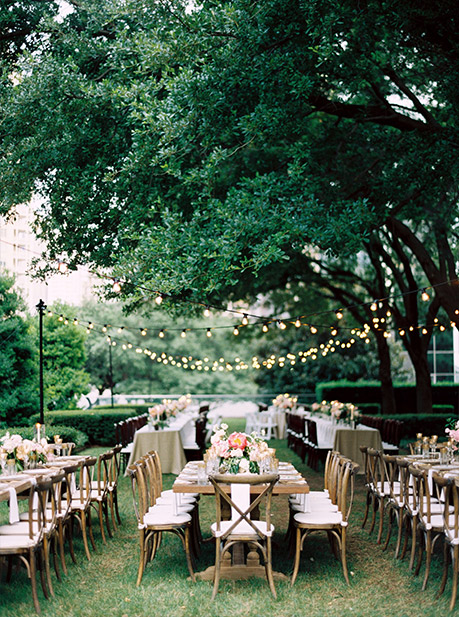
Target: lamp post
(110,367)
(41,306)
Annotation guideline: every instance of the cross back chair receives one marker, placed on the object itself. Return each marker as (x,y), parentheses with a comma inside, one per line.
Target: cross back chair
(242,527)
(449,488)
(28,547)
(80,504)
(99,494)
(114,472)
(152,521)
(335,523)
(430,522)
(379,489)
(398,493)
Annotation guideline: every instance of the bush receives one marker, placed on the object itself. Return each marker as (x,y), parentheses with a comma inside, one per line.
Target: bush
(427,424)
(97,423)
(68,433)
(444,395)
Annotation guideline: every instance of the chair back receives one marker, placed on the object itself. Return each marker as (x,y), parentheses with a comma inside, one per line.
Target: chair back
(139,488)
(241,503)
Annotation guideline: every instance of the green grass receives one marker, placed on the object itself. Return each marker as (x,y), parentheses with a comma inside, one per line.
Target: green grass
(380,585)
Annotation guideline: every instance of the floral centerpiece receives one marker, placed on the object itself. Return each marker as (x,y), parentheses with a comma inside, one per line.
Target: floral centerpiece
(285,402)
(23,451)
(238,452)
(161,414)
(452,430)
(337,410)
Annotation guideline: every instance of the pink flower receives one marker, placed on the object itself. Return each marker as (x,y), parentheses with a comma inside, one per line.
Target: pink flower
(237,440)
(454,434)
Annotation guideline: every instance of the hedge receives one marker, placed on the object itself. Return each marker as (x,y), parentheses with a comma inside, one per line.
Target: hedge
(427,424)
(67,433)
(444,395)
(97,423)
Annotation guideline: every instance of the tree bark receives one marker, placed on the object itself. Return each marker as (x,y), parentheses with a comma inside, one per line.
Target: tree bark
(385,376)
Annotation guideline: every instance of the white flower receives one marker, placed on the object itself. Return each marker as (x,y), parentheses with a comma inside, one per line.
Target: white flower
(236,453)
(244,465)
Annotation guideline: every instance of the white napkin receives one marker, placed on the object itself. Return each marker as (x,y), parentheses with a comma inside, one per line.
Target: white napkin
(14,510)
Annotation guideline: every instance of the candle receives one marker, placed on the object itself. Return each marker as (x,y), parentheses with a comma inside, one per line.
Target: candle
(37,427)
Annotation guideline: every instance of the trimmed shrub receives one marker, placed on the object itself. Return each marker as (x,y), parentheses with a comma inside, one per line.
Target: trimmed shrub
(427,424)
(68,433)
(97,423)
(445,395)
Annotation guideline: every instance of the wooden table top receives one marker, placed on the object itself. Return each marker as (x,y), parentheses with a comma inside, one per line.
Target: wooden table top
(290,481)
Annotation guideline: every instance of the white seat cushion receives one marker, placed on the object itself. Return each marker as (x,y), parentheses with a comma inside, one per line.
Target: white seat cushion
(8,542)
(319,518)
(19,529)
(163,516)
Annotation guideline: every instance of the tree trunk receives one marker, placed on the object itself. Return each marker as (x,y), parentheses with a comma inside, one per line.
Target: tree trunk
(423,381)
(385,376)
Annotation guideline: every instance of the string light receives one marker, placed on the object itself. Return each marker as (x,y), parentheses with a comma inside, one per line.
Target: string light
(339,314)
(143,331)
(116,287)
(297,323)
(207,312)
(161,334)
(281,324)
(373,306)
(183,333)
(265,327)
(424,295)
(209,333)
(159,299)
(313,330)
(236,331)
(245,320)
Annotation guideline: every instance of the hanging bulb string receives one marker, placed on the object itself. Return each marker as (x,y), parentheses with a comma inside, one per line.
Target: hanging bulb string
(61,266)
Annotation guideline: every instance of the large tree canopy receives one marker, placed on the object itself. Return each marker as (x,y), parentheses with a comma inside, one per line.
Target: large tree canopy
(191,150)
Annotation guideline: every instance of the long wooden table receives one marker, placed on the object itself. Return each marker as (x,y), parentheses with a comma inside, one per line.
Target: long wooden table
(290,482)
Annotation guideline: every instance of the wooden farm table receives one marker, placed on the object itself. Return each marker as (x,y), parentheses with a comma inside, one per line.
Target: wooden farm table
(290,482)
(19,482)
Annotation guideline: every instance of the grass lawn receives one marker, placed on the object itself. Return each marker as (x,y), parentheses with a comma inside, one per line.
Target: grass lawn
(380,585)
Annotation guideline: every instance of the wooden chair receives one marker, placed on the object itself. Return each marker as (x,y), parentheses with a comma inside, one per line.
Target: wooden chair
(430,525)
(334,522)
(398,493)
(80,503)
(114,472)
(29,546)
(450,490)
(241,527)
(380,489)
(100,494)
(152,521)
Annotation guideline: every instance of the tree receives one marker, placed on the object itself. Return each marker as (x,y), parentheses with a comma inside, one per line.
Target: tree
(65,378)
(195,152)
(18,370)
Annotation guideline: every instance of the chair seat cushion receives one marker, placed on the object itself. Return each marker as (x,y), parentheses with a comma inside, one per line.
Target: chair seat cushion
(19,529)
(10,542)
(169,494)
(163,516)
(182,507)
(242,529)
(319,519)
